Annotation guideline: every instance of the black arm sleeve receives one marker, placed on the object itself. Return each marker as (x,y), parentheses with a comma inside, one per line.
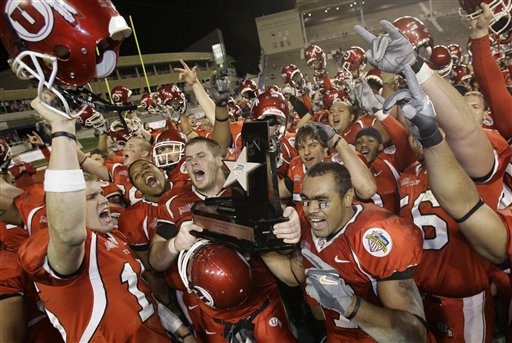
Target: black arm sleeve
(166,230)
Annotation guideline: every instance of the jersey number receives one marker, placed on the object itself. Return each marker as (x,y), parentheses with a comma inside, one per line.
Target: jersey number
(435,228)
(131,278)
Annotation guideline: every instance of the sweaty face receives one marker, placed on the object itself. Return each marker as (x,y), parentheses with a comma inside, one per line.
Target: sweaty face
(203,167)
(97,211)
(311,152)
(133,151)
(368,146)
(477,105)
(339,116)
(322,204)
(147,178)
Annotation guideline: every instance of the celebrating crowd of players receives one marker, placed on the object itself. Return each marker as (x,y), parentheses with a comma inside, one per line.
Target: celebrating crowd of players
(395,175)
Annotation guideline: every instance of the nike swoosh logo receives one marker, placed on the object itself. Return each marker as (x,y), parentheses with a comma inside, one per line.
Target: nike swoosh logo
(325,281)
(377,174)
(192,307)
(337,260)
(210,333)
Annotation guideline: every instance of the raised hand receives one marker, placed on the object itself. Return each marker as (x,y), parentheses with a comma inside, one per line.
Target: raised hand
(35,139)
(367,99)
(390,52)
(220,88)
(324,284)
(480,25)
(186,74)
(417,107)
(325,132)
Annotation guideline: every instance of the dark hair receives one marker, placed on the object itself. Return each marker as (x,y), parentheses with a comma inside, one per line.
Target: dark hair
(340,173)
(370,131)
(307,132)
(213,146)
(133,164)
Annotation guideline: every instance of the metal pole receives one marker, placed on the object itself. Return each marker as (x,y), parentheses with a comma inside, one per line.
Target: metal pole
(362,14)
(431,10)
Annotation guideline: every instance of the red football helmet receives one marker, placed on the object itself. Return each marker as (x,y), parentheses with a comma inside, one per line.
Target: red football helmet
(120,95)
(169,148)
(5,155)
(460,75)
(455,52)
(274,88)
(147,101)
(501,22)
(234,110)
(273,107)
(417,33)
(319,81)
(375,76)
(334,95)
(441,60)
(89,117)
(292,76)
(340,78)
(173,98)
(354,60)
(218,275)
(118,135)
(315,57)
(70,41)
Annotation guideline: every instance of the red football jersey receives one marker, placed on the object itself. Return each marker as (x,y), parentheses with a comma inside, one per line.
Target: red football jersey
(106,301)
(119,176)
(138,223)
(32,209)
(11,236)
(13,280)
(178,175)
(449,267)
(387,195)
(373,245)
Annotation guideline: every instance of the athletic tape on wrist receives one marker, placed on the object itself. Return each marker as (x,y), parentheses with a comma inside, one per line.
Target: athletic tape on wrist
(62,181)
(169,320)
(424,74)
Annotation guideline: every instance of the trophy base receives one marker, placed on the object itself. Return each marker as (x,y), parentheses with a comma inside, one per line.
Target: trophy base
(246,227)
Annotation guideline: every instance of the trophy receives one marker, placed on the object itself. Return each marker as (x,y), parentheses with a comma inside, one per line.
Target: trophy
(245,220)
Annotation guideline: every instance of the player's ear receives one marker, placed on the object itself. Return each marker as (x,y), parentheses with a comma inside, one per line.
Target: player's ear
(348,198)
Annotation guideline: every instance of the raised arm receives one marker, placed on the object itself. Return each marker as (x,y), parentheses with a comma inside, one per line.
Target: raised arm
(391,53)
(65,196)
(452,187)
(190,77)
(488,74)
(92,167)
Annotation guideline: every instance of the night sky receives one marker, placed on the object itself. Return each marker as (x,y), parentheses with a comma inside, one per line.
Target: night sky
(171,26)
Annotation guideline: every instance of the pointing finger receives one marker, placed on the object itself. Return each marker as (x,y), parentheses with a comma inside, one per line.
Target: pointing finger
(364,34)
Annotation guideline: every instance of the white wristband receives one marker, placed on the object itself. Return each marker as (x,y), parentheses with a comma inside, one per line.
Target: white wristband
(172,247)
(63,181)
(424,74)
(380,115)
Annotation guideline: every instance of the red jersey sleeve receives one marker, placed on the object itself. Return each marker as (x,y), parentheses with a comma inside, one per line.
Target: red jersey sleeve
(404,155)
(387,246)
(492,85)
(32,209)
(46,152)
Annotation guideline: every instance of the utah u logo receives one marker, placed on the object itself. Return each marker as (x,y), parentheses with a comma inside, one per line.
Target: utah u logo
(33,20)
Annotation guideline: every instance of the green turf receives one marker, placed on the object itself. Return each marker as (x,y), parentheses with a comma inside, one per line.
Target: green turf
(87,145)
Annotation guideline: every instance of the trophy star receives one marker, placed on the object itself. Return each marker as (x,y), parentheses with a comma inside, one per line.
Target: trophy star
(239,170)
